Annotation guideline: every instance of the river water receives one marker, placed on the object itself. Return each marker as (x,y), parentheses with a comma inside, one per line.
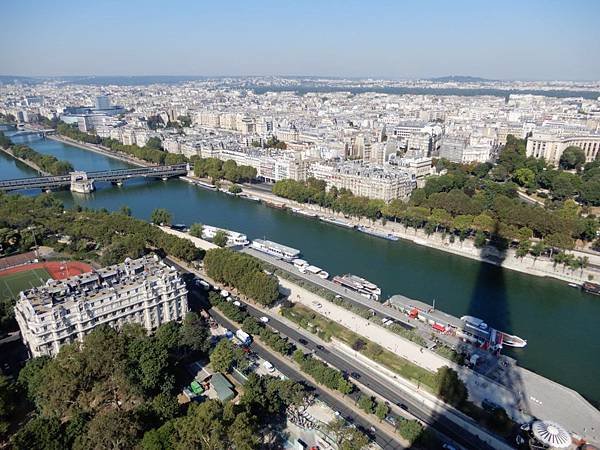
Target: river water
(559,322)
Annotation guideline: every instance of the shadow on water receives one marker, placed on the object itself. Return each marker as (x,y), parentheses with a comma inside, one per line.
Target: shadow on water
(487,403)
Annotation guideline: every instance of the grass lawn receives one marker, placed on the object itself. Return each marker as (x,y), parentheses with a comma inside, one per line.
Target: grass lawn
(12,284)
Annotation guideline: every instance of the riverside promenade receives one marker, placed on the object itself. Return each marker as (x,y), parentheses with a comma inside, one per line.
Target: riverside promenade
(540,397)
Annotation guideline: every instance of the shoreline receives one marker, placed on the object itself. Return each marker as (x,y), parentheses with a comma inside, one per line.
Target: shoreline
(539,267)
(537,384)
(98,149)
(29,164)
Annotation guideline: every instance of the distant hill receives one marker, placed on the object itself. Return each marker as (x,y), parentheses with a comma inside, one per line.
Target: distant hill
(460,79)
(11,79)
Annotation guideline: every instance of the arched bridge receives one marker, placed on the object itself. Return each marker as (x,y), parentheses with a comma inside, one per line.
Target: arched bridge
(84,181)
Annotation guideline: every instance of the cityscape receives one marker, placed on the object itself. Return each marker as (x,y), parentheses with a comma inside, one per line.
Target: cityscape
(383,253)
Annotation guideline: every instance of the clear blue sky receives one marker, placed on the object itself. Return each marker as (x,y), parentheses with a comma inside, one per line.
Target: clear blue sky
(527,39)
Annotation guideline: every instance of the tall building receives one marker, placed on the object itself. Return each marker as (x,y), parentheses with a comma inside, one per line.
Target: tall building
(145,291)
(103,102)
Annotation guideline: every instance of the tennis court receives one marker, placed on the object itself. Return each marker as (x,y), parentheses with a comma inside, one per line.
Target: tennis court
(13,283)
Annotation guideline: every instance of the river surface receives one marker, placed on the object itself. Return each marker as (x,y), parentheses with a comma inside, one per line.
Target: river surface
(559,322)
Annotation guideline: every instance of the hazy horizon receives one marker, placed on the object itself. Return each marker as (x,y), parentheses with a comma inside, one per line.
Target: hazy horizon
(509,41)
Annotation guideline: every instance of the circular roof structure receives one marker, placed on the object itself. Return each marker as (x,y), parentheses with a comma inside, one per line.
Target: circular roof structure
(551,434)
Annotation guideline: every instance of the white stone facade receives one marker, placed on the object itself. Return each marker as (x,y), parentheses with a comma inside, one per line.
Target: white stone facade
(145,291)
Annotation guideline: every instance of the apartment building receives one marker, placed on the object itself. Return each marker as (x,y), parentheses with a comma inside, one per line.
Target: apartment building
(145,291)
(362,179)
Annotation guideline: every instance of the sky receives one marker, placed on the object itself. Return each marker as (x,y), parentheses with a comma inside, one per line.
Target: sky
(525,40)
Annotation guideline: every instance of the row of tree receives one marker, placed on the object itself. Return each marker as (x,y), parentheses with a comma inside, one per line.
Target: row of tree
(461,205)
(152,152)
(46,163)
(226,356)
(252,326)
(340,200)
(242,272)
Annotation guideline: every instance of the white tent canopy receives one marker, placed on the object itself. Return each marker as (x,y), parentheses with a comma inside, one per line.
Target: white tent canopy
(551,434)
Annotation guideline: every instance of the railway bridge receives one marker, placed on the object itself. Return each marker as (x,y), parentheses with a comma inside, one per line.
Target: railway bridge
(83,182)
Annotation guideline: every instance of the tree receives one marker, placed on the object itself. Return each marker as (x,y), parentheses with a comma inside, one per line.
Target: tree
(410,430)
(537,249)
(235,189)
(450,387)
(39,433)
(480,239)
(194,334)
(112,430)
(7,403)
(165,406)
(160,438)
(572,157)
(565,185)
(196,230)
(244,433)
(220,238)
(31,376)
(348,438)
(524,177)
(161,216)
(382,410)
(366,403)
(222,357)
(499,173)
(154,143)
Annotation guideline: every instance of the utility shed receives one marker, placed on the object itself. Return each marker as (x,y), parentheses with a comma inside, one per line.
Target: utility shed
(222,387)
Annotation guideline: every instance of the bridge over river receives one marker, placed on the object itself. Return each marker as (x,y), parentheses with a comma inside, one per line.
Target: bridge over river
(84,181)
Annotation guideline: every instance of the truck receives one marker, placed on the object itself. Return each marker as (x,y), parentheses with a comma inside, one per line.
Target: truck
(243,337)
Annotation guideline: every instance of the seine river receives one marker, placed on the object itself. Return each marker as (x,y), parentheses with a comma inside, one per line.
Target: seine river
(559,322)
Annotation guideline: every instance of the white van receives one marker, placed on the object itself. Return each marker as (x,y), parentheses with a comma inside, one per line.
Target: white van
(267,365)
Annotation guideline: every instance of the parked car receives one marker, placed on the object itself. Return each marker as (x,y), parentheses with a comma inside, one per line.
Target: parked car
(264,319)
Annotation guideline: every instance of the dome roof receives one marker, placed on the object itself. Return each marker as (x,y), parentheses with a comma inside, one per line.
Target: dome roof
(551,434)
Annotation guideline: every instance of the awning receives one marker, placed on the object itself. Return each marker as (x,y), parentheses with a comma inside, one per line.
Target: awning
(439,327)
(551,434)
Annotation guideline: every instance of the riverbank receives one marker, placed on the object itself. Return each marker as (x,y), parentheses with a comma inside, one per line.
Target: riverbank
(528,393)
(26,162)
(101,150)
(540,267)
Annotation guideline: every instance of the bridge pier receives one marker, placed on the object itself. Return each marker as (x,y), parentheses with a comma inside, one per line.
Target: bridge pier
(80,183)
